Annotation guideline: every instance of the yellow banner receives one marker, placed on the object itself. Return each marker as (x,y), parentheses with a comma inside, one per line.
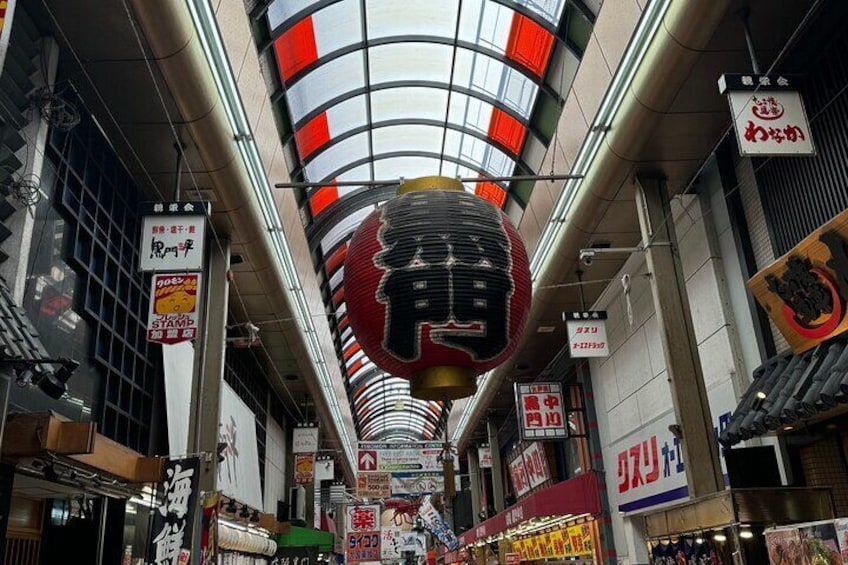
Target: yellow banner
(575,541)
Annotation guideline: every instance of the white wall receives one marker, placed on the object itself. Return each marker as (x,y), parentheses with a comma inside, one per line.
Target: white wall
(632,394)
(275,465)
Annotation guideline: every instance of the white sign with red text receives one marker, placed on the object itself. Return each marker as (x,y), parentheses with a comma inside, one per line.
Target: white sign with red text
(587,334)
(536,464)
(484,456)
(768,115)
(518,474)
(541,411)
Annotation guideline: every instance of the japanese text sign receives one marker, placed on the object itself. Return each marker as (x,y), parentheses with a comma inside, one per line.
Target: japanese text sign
(434,522)
(536,464)
(304,468)
(518,474)
(173,308)
(305,440)
(540,411)
(173,519)
(805,292)
(374,485)
(587,334)
(415,468)
(484,456)
(363,547)
(172,236)
(768,115)
(363,518)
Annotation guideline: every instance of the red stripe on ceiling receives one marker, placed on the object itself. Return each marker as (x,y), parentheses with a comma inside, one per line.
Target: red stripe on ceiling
(348,353)
(343,323)
(296,48)
(322,198)
(491,192)
(314,135)
(335,260)
(506,130)
(529,44)
(354,367)
(338,297)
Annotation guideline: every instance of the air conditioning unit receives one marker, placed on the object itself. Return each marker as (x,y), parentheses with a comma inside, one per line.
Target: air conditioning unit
(297,504)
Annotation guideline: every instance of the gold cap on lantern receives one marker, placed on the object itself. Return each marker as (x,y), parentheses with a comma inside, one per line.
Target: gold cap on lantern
(429,183)
(443,382)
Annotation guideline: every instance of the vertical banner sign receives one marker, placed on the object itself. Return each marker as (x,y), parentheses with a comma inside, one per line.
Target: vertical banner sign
(362,533)
(587,334)
(172,236)
(536,464)
(541,414)
(238,474)
(484,455)
(173,308)
(173,519)
(518,474)
(209,530)
(390,543)
(304,468)
(437,526)
(305,440)
(768,115)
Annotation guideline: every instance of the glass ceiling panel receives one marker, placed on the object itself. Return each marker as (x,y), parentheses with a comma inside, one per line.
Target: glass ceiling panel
(551,10)
(477,152)
(485,23)
(410,61)
(336,26)
(326,82)
(336,279)
(407,167)
(344,227)
(282,10)
(391,18)
(486,75)
(409,102)
(322,166)
(347,115)
(408,138)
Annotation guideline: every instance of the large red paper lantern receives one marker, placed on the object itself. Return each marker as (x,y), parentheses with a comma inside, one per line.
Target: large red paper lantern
(438,288)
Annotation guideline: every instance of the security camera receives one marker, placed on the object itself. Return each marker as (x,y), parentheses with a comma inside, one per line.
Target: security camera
(587,256)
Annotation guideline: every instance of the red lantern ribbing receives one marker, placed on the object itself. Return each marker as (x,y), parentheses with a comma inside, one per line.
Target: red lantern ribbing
(438,287)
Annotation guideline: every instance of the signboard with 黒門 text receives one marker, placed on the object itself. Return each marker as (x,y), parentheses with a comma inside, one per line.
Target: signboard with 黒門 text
(172,236)
(541,411)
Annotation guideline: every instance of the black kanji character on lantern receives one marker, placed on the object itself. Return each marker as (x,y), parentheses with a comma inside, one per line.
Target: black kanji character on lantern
(802,290)
(447,263)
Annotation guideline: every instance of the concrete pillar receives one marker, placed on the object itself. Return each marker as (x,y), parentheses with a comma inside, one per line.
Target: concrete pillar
(680,347)
(497,470)
(474,480)
(208,378)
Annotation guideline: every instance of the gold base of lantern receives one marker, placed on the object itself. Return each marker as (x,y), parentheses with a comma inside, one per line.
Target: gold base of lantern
(429,183)
(443,383)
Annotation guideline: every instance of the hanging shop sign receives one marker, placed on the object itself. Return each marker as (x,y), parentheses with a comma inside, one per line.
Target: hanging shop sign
(536,464)
(414,542)
(436,525)
(541,411)
(305,440)
(304,468)
(484,456)
(238,473)
(173,315)
(172,236)
(587,334)
(390,543)
(325,469)
(337,493)
(173,519)
(768,115)
(362,538)
(466,265)
(415,468)
(374,485)
(518,474)
(805,291)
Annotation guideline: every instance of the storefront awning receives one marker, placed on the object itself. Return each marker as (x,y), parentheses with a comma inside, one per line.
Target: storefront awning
(305,537)
(580,495)
(789,388)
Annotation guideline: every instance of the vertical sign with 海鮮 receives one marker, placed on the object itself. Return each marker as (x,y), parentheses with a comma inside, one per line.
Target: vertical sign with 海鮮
(173,518)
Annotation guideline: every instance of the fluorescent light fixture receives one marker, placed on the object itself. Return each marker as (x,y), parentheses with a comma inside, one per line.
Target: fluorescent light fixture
(746,534)
(210,39)
(645,31)
(720,537)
